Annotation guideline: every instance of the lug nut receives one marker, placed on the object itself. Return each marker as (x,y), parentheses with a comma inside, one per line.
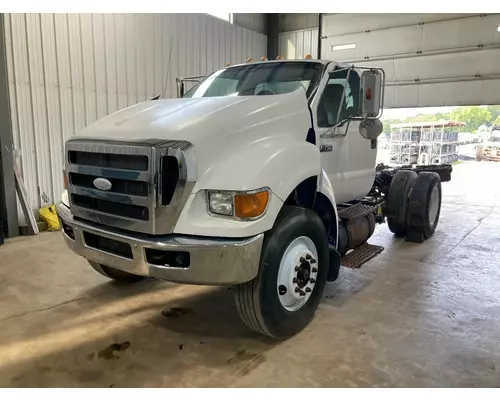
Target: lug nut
(302,293)
(308,289)
(315,270)
(302,259)
(294,280)
(308,257)
(297,290)
(296,268)
(312,280)
(313,261)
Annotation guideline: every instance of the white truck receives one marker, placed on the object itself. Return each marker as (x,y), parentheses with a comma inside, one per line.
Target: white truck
(263,176)
(489,149)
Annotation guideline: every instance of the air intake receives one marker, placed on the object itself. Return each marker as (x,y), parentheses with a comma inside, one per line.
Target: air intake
(169,178)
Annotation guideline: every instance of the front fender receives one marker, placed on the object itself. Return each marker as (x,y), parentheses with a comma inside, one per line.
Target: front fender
(279,163)
(325,187)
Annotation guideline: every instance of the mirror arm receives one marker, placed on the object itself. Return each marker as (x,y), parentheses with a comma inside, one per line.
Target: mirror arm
(330,133)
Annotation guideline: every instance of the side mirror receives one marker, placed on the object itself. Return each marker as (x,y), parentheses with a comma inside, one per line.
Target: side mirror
(372,87)
(371,128)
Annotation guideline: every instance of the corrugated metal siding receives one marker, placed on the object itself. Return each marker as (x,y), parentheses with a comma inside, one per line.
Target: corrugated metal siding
(255,22)
(296,44)
(67,70)
(298,21)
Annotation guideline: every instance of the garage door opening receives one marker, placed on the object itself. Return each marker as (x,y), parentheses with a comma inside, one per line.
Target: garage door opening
(439,135)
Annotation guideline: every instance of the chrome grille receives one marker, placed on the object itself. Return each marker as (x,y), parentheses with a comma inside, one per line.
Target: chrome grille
(132,162)
(134,188)
(111,207)
(136,199)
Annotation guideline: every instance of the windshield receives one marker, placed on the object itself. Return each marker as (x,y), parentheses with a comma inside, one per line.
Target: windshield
(259,79)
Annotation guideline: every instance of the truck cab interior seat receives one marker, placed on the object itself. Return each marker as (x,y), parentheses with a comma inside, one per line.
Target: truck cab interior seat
(329,106)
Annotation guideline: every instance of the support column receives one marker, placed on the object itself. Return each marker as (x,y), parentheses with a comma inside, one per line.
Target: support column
(8,206)
(272,36)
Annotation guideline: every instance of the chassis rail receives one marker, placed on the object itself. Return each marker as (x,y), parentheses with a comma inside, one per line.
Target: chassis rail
(443,170)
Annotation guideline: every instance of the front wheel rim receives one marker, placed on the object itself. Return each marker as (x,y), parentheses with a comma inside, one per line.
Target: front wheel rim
(298,273)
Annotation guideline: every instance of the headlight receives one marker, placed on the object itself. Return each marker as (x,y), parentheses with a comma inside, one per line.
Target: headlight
(65,198)
(221,203)
(241,205)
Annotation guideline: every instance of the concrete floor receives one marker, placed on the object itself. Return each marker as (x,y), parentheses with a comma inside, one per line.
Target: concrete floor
(418,315)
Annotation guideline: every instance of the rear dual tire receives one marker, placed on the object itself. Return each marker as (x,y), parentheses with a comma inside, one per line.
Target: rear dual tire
(424,207)
(414,205)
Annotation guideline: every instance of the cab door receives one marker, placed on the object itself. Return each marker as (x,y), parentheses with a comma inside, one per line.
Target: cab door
(347,158)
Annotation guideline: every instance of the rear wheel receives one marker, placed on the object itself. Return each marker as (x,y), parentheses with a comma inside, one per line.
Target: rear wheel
(284,296)
(115,274)
(397,201)
(424,207)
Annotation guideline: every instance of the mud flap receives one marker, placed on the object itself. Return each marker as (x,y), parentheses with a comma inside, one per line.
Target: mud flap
(334,267)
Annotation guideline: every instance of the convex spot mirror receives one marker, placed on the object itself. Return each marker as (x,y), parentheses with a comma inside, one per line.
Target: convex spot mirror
(371,93)
(371,128)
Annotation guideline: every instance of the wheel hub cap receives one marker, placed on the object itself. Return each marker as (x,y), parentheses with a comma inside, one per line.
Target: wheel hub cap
(297,273)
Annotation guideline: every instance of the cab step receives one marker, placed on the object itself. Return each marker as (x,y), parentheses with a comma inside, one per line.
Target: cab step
(357,257)
(356,211)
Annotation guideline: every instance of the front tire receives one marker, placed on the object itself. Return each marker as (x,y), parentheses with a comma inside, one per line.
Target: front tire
(282,299)
(115,274)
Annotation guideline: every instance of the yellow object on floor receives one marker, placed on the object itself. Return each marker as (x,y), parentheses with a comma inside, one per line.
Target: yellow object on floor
(48,214)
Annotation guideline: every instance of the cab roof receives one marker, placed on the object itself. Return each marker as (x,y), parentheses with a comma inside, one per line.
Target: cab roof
(317,61)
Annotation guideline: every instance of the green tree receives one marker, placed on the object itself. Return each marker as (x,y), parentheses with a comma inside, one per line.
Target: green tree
(495,113)
(422,118)
(387,124)
(473,117)
(497,121)
(440,116)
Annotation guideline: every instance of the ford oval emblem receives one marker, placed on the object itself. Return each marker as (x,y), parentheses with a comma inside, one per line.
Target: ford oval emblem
(102,184)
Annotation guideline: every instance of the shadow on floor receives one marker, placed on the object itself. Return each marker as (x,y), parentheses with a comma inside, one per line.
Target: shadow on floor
(155,345)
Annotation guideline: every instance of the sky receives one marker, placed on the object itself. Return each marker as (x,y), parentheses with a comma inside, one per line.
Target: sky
(402,113)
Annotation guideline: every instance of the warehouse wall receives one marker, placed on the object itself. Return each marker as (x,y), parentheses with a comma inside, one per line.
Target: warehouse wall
(429,59)
(296,44)
(296,22)
(67,70)
(255,22)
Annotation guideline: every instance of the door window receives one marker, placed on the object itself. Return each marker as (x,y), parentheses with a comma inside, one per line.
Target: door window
(331,99)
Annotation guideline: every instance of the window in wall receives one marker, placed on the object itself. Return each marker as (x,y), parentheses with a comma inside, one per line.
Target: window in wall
(225,16)
(328,107)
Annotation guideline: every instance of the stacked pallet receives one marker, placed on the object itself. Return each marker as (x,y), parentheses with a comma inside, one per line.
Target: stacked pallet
(424,143)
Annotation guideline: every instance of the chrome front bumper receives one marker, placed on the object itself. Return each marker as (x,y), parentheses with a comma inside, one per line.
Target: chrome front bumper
(213,261)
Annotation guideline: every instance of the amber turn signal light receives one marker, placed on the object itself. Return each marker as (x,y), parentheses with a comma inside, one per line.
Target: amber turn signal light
(250,205)
(65,177)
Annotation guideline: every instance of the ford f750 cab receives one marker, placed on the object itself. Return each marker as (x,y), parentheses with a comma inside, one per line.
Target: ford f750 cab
(262,176)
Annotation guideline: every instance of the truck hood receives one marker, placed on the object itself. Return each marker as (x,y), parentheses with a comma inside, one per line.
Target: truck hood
(217,127)
(195,119)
